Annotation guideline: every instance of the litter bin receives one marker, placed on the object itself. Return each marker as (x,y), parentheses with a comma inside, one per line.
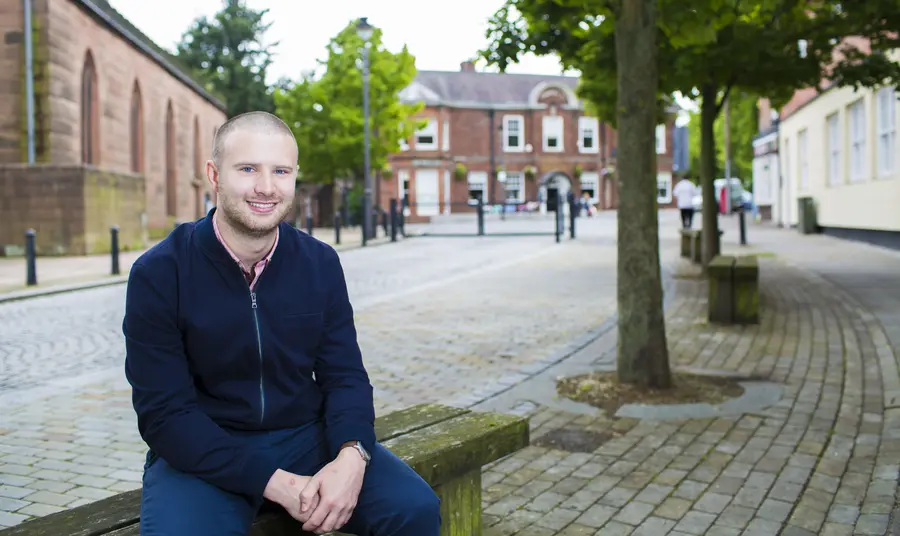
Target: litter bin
(806,216)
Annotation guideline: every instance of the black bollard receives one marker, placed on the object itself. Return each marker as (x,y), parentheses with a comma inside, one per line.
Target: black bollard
(30,259)
(337,228)
(572,213)
(114,248)
(393,210)
(384,222)
(743,224)
(309,224)
(480,211)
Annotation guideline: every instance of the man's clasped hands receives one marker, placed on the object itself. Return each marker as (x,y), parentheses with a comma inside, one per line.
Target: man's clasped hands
(325,501)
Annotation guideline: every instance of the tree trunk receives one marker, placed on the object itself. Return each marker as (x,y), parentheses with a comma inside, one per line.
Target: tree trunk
(709,96)
(643,357)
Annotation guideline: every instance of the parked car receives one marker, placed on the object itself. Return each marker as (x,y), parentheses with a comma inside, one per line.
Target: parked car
(739,196)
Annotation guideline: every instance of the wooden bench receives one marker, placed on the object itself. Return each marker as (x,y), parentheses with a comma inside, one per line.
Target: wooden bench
(733,290)
(446,446)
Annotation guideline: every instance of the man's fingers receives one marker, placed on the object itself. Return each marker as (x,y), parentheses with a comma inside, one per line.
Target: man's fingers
(309,494)
(318,516)
(331,522)
(345,518)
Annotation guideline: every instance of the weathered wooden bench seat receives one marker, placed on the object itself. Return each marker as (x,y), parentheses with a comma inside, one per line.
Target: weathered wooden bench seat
(733,296)
(446,446)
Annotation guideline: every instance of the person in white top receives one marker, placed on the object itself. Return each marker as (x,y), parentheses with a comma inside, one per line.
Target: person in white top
(684,192)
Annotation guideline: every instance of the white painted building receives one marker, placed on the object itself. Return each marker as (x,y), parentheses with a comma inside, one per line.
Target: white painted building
(841,149)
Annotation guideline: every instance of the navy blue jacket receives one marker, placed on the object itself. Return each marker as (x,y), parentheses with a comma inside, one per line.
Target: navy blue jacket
(207,359)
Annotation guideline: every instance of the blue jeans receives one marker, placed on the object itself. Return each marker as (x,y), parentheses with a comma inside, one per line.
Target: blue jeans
(394,500)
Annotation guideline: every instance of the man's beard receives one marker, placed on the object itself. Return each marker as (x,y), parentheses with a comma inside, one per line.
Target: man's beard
(244,223)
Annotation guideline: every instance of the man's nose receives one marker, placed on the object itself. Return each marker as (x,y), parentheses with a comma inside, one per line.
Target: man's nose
(265,184)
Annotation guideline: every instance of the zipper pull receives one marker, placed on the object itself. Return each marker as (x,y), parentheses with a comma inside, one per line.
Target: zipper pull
(253,300)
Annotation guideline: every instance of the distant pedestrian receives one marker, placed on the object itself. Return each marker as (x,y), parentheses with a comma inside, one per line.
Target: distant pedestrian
(685,191)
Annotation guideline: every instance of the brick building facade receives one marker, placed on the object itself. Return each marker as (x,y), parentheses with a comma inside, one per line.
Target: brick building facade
(123,130)
(509,139)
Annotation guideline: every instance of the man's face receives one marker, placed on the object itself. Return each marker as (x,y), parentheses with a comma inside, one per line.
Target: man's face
(255,179)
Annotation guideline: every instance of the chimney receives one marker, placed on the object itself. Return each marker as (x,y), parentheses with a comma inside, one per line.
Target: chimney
(467,66)
(764,115)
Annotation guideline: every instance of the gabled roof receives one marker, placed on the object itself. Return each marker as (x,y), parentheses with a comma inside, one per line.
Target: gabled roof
(107,15)
(467,89)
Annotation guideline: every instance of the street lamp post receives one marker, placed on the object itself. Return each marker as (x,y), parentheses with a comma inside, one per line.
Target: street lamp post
(364,30)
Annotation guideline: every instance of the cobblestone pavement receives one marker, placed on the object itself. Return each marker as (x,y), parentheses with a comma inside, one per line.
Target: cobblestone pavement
(448,320)
(824,460)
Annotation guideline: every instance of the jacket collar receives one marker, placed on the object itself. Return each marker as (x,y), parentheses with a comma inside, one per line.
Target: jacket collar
(206,238)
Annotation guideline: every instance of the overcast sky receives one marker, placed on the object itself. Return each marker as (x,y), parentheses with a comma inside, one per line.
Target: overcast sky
(439,34)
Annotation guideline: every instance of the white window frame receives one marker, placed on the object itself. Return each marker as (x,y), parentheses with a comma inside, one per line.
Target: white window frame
(553,126)
(856,113)
(803,160)
(591,178)
(886,117)
(445,136)
(520,123)
(518,178)
(592,125)
(660,139)
(667,177)
(477,181)
(835,144)
(430,129)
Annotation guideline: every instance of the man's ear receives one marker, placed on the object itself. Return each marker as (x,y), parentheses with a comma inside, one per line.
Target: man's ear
(212,175)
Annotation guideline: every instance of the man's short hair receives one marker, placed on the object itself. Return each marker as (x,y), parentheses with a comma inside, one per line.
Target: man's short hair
(258,120)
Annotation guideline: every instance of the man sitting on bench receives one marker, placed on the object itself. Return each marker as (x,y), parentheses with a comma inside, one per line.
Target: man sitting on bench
(247,377)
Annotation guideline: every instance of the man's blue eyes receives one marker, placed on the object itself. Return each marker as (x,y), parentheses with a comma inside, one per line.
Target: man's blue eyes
(248,169)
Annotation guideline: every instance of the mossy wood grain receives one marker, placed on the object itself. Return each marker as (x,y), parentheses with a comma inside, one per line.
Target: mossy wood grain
(452,448)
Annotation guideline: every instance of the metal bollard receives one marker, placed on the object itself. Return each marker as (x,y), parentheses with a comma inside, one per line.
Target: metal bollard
(114,248)
(309,224)
(337,228)
(572,213)
(559,218)
(480,210)
(30,258)
(743,227)
(393,209)
(384,223)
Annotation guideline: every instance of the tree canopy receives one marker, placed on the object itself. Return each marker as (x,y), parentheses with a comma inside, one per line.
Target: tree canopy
(228,54)
(326,112)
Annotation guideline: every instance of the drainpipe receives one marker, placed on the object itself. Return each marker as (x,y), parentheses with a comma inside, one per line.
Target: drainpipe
(29,80)
(492,175)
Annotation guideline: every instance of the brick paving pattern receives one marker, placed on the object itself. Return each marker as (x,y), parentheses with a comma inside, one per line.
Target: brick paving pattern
(823,460)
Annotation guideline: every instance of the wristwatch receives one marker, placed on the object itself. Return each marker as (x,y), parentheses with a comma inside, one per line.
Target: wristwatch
(362,451)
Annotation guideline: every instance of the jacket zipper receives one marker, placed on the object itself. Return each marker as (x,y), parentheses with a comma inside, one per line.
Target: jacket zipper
(262,388)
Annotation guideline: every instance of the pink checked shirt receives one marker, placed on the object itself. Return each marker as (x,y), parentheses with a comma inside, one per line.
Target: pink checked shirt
(252,273)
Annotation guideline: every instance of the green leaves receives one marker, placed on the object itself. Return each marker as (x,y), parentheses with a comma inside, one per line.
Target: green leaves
(227,54)
(326,113)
